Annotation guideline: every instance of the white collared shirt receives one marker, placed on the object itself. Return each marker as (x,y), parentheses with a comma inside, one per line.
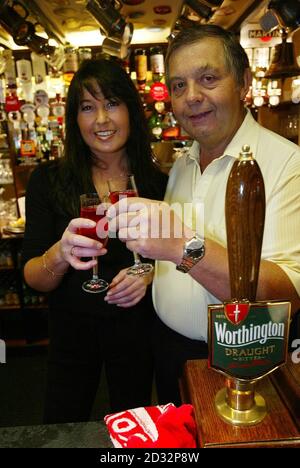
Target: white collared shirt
(180,301)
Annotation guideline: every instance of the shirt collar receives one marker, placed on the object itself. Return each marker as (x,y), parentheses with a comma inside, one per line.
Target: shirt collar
(246,135)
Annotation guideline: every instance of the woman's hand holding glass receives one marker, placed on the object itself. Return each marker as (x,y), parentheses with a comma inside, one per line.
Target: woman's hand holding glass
(74,246)
(81,239)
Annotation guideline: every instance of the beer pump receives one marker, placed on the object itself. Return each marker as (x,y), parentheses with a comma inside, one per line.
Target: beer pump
(247,339)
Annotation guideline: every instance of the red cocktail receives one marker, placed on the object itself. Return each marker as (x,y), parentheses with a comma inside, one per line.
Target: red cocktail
(90,213)
(117,195)
(125,187)
(88,207)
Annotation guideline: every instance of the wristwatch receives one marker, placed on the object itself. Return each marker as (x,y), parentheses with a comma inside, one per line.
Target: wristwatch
(193,251)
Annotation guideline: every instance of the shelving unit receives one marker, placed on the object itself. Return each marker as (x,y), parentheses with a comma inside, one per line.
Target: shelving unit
(23,312)
(282,119)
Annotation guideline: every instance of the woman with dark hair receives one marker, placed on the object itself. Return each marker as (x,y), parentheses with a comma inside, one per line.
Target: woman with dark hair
(106,135)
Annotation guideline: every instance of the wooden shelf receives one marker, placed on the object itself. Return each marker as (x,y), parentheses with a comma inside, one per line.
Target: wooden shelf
(36,306)
(6,268)
(22,343)
(10,307)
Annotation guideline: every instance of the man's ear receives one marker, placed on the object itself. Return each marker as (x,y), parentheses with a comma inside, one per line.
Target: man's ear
(247,83)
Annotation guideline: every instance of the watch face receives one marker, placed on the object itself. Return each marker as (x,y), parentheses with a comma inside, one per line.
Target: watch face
(195,248)
(194,251)
(195,243)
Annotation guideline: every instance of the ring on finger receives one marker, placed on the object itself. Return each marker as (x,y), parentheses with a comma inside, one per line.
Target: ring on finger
(72,251)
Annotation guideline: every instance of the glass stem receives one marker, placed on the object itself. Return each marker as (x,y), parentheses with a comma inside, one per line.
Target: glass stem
(95,269)
(136,257)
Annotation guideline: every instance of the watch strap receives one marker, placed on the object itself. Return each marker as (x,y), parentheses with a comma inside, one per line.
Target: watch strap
(185,265)
(193,251)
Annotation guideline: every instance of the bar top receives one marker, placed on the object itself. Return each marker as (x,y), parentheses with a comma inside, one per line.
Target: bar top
(72,435)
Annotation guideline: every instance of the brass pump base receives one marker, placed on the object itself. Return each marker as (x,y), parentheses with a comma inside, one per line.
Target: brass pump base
(240,417)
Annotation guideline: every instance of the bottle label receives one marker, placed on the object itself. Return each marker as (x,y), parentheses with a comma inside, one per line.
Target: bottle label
(157,63)
(159,92)
(27,148)
(71,62)
(12,103)
(24,71)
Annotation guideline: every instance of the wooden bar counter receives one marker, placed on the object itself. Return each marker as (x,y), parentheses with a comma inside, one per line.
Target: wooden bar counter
(280,428)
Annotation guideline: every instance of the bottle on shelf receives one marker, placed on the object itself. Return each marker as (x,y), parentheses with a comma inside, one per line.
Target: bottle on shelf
(58,107)
(4,145)
(27,147)
(155,121)
(157,63)
(39,69)
(43,146)
(84,53)
(141,68)
(57,148)
(10,70)
(25,79)
(70,64)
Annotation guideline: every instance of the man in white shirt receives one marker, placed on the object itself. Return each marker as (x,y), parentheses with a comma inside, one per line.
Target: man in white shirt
(208,76)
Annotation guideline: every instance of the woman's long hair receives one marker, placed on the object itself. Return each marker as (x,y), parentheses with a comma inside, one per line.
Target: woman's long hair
(73,175)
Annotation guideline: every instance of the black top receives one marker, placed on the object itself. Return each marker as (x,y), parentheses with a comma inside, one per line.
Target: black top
(45,224)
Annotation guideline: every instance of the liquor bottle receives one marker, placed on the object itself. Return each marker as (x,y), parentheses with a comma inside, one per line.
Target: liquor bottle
(141,68)
(84,53)
(39,69)
(4,139)
(70,64)
(44,145)
(56,150)
(27,149)
(58,108)
(25,79)
(155,125)
(157,63)
(126,65)
(10,70)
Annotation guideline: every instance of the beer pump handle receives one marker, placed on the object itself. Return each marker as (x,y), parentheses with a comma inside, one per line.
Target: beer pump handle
(245,214)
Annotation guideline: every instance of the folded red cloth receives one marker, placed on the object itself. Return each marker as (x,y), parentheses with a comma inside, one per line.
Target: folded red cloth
(161,426)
